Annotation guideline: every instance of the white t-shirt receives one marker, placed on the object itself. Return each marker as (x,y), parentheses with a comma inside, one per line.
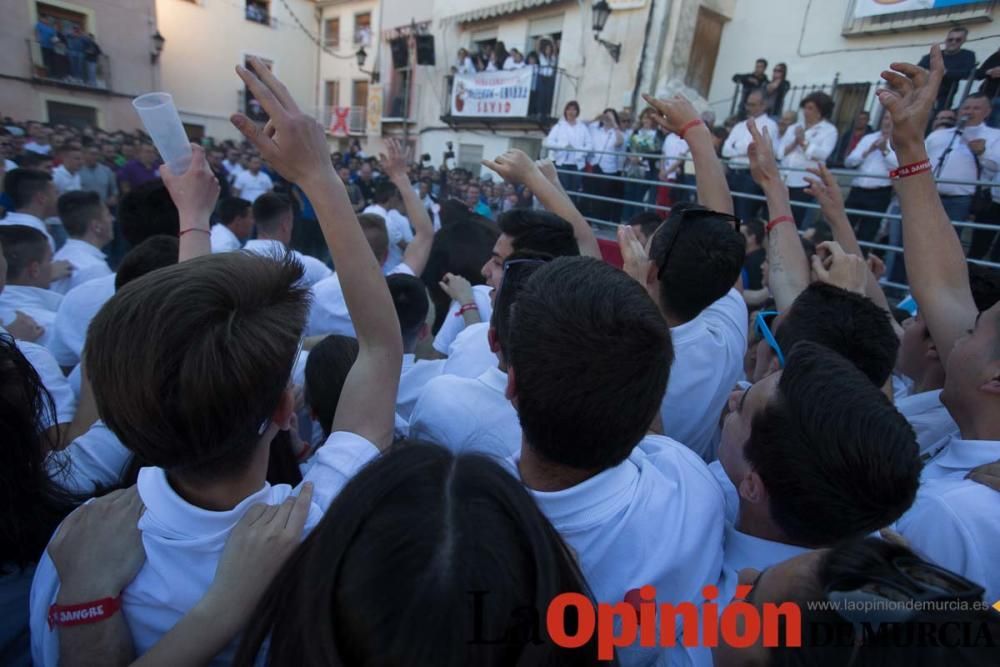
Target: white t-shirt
(412,379)
(454,323)
(708,362)
(65,180)
(95,459)
(569,143)
(929,418)
(656,518)
(77,309)
(821,140)
(398,227)
(314,270)
(251,186)
(468,415)
(742,551)
(328,313)
(470,355)
(737,144)
(674,150)
(872,165)
(730,493)
(223,239)
(88,263)
(183,544)
(40,304)
(954,458)
(52,379)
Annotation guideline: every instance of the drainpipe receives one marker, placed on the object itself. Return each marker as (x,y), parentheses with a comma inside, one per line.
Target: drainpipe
(656,15)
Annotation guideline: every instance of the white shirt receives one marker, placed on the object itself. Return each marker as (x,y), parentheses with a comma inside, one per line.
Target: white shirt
(454,323)
(40,304)
(656,518)
(708,362)
(183,544)
(223,239)
(989,161)
(738,142)
(729,492)
(821,140)
(65,180)
(88,263)
(329,314)
(44,149)
(234,169)
(77,309)
(959,165)
(510,64)
(930,420)
(466,66)
(251,186)
(874,163)
(52,379)
(413,377)
(470,354)
(314,270)
(603,139)
(742,551)
(95,459)
(954,458)
(15,218)
(675,150)
(398,227)
(468,415)
(564,136)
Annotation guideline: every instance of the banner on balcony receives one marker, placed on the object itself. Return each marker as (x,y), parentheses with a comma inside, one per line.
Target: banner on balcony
(864,8)
(492,94)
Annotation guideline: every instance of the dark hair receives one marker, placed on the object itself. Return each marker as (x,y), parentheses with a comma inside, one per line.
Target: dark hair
(647,222)
(959,28)
(189,361)
(419,528)
(837,459)
(978,95)
(34,505)
(373,226)
(22,184)
(77,209)
(591,354)
(409,296)
(867,564)
(154,253)
(22,245)
(327,367)
(268,210)
(384,192)
(822,101)
(29,160)
(464,243)
(756,229)
(148,210)
(522,265)
(230,208)
(985,284)
(761,60)
(847,323)
(539,231)
(574,104)
(705,258)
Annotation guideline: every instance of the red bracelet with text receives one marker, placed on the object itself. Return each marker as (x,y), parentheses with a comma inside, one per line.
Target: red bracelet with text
(777,221)
(466,308)
(68,615)
(688,125)
(910,170)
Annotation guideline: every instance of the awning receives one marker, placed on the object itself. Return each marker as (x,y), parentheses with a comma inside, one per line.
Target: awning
(502,9)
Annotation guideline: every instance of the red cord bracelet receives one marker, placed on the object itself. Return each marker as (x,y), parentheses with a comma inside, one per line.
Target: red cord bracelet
(910,170)
(466,308)
(688,125)
(777,221)
(194,229)
(68,615)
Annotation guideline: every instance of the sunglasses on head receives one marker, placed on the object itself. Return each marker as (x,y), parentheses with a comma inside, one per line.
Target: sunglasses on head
(690,214)
(762,324)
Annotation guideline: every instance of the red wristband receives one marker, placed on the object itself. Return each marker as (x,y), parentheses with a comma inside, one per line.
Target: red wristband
(688,125)
(777,221)
(68,615)
(910,170)
(194,229)
(466,308)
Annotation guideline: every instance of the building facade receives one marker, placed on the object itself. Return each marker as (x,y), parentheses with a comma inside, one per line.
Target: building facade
(52,71)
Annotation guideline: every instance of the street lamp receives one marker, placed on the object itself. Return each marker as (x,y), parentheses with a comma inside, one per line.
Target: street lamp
(361,55)
(158,41)
(601,11)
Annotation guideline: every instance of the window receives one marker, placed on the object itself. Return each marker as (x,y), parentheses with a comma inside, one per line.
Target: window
(359,93)
(258,11)
(704,51)
(64,20)
(470,156)
(332,97)
(251,107)
(194,132)
(331,33)
(399,90)
(73,115)
(363,29)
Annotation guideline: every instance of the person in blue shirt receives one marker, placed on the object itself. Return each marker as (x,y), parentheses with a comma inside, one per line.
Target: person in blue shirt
(45,32)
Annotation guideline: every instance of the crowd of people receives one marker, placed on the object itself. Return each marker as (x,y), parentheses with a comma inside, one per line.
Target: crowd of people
(405,447)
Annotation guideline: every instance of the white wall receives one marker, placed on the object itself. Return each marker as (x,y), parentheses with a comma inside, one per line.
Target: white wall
(814,47)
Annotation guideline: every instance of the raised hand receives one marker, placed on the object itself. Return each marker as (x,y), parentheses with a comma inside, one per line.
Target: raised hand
(195,192)
(295,143)
(514,166)
(636,262)
(909,98)
(823,186)
(395,159)
(457,288)
(674,112)
(835,267)
(763,165)
(61,268)
(24,327)
(548,169)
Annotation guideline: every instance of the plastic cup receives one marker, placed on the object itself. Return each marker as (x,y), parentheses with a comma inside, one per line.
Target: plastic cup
(159,116)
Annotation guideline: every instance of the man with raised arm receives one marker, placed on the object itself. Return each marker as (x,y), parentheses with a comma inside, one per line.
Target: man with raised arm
(954,521)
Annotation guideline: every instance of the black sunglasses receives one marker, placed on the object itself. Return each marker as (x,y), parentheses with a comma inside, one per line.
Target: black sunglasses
(691,213)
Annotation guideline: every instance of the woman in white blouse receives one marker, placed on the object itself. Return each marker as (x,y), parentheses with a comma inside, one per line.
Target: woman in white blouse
(569,142)
(806,144)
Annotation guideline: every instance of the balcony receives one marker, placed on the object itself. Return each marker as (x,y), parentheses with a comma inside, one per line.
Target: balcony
(494,102)
(346,121)
(69,69)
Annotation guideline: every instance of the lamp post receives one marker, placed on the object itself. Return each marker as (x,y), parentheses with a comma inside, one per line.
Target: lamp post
(601,11)
(361,55)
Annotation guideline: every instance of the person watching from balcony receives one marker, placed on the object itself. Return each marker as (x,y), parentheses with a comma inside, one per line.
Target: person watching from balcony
(959,65)
(91,53)
(751,82)
(514,61)
(46,34)
(849,139)
(735,149)
(874,158)
(569,139)
(465,65)
(807,143)
(775,89)
(75,43)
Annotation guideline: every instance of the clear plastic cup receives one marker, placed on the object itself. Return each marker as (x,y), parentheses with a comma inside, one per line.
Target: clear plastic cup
(159,116)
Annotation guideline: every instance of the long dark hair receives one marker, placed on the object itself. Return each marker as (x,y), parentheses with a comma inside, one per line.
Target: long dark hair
(33,505)
(420,554)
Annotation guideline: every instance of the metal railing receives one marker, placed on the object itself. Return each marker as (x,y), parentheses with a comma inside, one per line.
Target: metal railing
(648,201)
(72,68)
(346,121)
